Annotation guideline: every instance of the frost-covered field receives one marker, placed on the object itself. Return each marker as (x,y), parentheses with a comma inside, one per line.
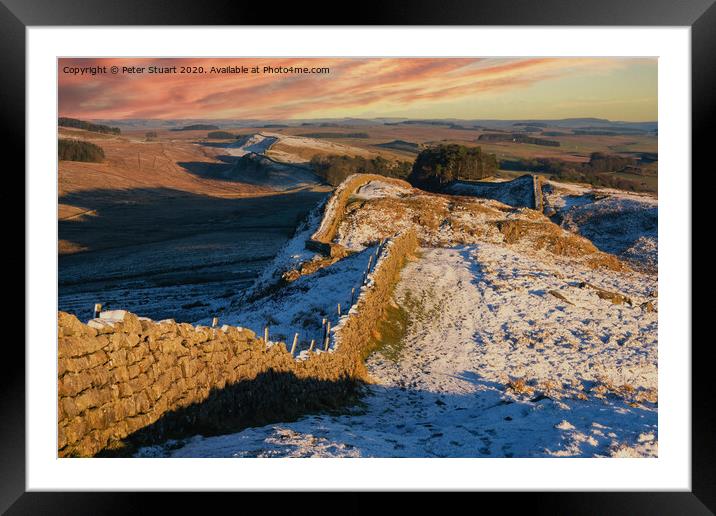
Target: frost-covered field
(506,352)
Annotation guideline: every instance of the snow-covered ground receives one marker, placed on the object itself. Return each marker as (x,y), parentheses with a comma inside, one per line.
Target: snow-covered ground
(292,147)
(257,165)
(380,189)
(258,143)
(479,317)
(618,222)
(506,351)
(301,306)
(517,192)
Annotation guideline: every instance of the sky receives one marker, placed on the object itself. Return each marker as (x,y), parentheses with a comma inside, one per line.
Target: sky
(474,88)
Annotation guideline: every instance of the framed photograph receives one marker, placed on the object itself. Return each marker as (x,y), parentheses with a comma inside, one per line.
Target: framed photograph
(432,250)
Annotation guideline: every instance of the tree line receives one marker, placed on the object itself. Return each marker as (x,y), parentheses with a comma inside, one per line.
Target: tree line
(87,126)
(335,169)
(335,135)
(222,135)
(78,150)
(598,171)
(518,138)
(436,167)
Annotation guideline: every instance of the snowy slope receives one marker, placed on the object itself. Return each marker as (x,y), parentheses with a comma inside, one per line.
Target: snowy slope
(508,350)
(518,192)
(618,222)
(480,317)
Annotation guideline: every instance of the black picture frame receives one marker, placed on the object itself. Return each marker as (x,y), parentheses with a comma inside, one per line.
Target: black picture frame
(17,15)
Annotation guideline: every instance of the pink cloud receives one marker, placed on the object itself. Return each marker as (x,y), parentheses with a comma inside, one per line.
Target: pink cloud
(352,85)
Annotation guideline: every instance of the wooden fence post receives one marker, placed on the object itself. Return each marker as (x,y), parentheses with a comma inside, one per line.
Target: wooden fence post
(328,336)
(313,343)
(266,334)
(293,346)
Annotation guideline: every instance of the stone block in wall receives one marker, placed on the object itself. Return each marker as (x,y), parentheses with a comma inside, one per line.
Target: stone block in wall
(125,390)
(72,384)
(68,326)
(139,383)
(186,366)
(174,345)
(166,326)
(203,334)
(69,407)
(127,321)
(101,327)
(74,430)
(185,329)
(89,442)
(249,334)
(146,363)
(79,345)
(90,398)
(119,374)
(97,418)
(143,403)
(128,407)
(134,370)
(61,437)
(99,376)
(118,358)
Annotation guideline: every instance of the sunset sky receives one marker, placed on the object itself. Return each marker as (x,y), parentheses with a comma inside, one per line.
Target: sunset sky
(501,88)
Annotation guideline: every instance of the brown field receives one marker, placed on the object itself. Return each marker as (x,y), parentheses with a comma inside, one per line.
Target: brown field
(147,231)
(155,172)
(573,147)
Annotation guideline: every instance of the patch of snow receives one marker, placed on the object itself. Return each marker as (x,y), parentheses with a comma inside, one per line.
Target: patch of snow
(380,189)
(252,144)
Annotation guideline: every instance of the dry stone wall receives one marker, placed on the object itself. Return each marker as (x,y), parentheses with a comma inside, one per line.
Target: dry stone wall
(123,376)
(321,240)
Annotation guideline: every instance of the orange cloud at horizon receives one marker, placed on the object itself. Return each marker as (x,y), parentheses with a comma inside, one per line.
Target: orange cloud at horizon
(369,87)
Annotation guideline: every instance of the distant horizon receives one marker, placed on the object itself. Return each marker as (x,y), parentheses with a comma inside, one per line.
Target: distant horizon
(619,89)
(297,120)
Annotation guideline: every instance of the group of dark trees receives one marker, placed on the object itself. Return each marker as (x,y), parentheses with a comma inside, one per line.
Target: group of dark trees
(335,135)
(438,166)
(518,138)
(87,126)
(196,127)
(598,171)
(433,168)
(334,169)
(221,135)
(77,150)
